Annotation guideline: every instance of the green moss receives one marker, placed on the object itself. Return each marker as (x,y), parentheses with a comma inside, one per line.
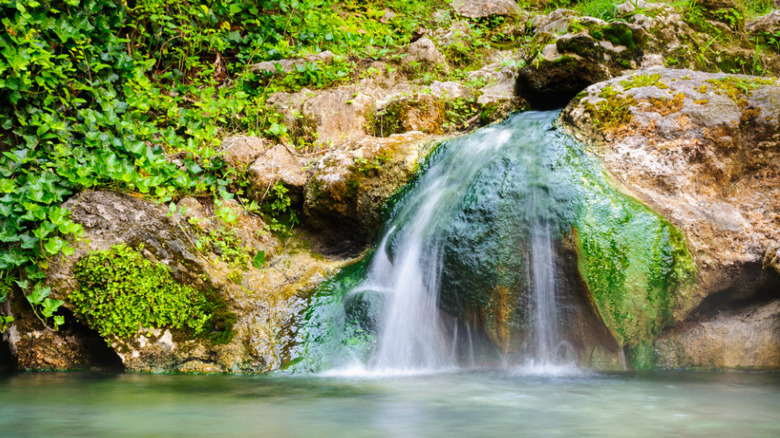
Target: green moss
(613,112)
(330,332)
(738,88)
(634,262)
(121,291)
(637,81)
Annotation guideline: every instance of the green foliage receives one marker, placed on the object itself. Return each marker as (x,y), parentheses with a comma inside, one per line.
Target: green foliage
(121,291)
(281,217)
(136,95)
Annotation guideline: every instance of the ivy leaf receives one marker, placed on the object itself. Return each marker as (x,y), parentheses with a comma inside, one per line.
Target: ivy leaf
(38,294)
(12,259)
(259,259)
(50,306)
(54,245)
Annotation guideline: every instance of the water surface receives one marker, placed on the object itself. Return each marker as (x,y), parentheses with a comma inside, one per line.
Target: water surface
(469,404)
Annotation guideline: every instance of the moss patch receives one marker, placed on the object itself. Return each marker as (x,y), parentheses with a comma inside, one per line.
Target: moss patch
(121,291)
(738,88)
(636,81)
(613,112)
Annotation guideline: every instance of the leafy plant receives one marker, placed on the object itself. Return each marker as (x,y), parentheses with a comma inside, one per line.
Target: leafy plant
(121,292)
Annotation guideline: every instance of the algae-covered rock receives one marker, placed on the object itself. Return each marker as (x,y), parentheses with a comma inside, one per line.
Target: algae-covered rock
(702,150)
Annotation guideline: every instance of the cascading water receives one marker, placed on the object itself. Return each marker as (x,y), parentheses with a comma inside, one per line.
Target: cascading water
(407,266)
(411,335)
(511,247)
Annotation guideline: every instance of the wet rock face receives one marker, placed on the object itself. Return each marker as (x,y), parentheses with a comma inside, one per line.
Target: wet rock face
(747,338)
(703,150)
(265,301)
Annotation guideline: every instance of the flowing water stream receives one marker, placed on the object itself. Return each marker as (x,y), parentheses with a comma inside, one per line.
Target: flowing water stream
(408,271)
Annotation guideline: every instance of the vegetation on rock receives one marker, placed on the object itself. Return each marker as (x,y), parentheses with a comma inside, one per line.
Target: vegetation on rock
(122,292)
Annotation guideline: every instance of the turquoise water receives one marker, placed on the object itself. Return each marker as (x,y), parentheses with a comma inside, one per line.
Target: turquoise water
(470,404)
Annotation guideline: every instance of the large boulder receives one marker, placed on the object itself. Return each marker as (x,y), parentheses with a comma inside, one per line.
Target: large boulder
(703,150)
(261,302)
(350,185)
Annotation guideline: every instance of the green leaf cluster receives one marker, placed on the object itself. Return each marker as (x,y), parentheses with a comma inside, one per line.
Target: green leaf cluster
(121,292)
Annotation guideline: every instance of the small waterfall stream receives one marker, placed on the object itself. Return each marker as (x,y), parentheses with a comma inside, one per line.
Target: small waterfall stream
(407,266)
(511,248)
(411,335)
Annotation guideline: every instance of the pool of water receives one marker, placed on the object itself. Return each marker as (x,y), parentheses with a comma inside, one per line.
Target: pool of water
(473,403)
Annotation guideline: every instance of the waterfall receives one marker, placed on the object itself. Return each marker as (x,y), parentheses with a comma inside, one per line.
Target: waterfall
(411,335)
(407,266)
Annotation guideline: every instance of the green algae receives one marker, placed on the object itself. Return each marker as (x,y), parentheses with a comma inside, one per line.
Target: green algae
(634,262)
(330,335)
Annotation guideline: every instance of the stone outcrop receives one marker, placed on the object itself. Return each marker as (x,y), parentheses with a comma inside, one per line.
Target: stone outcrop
(284,66)
(349,186)
(568,52)
(266,300)
(769,23)
(748,338)
(703,150)
(485,8)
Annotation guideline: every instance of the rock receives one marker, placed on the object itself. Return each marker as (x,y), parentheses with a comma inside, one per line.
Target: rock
(420,112)
(241,151)
(424,53)
(450,90)
(485,8)
(769,23)
(284,66)
(266,302)
(727,12)
(568,52)
(701,149)
(278,164)
(344,197)
(334,116)
(772,258)
(748,338)
(641,5)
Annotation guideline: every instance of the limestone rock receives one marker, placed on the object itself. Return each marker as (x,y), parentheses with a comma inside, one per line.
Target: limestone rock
(241,151)
(345,196)
(334,116)
(568,52)
(285,66)
(424,52)
(703,150)
(278,164)
(772,258)
(266,301)
(485,8)
(748,339)
(769,23)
